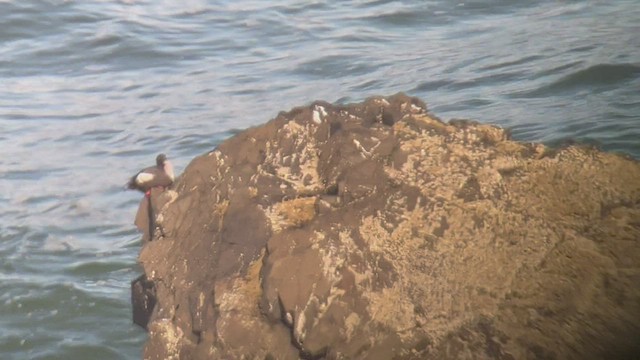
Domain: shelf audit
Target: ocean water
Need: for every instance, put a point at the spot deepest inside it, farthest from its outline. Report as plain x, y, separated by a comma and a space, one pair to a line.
91, 91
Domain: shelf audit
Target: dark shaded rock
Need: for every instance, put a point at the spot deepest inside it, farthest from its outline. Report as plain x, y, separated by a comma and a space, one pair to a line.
143, 300
376, 231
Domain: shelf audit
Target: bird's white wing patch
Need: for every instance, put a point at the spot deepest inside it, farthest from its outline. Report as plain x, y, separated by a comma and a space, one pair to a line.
143, 177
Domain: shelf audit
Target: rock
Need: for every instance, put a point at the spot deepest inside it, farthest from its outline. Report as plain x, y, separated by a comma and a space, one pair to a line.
376, 231
143, 300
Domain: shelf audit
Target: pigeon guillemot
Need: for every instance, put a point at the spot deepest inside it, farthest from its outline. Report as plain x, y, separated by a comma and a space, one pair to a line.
154, 177
160, 175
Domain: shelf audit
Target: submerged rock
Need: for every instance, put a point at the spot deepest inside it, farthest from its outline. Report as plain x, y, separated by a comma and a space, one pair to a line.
376, 231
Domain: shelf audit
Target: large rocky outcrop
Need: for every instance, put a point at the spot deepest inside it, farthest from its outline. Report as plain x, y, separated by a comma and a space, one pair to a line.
376, 231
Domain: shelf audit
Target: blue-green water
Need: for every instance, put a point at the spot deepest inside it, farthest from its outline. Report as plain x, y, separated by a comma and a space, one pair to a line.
92, 90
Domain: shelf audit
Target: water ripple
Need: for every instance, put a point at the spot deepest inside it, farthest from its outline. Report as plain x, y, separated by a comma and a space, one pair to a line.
595, 77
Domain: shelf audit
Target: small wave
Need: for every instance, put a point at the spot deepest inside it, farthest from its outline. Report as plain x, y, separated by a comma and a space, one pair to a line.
368, 85
129, 153
40, 199
581, 49
334, 66
431, 85
106, 40
601, 75
489, 80
598, 74
30, 174
560, 69
95, 268
404, 17
510, 63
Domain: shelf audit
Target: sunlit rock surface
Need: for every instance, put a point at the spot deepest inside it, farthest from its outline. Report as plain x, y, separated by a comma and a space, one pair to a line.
376, 231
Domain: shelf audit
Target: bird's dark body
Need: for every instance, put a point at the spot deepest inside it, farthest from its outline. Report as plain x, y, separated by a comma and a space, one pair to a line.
160, 178
160, 175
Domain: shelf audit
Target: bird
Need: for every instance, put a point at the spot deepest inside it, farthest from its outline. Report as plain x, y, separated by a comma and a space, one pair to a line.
160, 175
154, 177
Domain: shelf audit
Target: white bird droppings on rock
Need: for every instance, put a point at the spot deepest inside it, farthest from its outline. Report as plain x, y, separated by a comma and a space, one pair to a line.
319, 113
